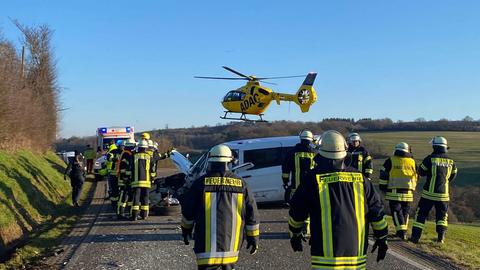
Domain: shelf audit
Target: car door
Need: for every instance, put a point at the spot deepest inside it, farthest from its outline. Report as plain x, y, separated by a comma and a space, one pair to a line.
264, 178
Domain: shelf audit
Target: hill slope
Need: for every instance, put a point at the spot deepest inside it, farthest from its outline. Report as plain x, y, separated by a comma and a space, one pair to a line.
32, 191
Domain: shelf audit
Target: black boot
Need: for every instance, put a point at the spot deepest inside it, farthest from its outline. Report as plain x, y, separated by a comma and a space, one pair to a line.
402, 234
441, 238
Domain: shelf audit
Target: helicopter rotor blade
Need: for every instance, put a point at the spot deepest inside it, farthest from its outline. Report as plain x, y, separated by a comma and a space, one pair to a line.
281, 77
219, 78
238, 73
268, 82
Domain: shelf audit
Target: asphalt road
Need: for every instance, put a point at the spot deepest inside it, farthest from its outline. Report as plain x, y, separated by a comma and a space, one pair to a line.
156, 244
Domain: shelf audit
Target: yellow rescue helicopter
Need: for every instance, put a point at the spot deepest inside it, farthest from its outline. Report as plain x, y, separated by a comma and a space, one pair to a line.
254, 99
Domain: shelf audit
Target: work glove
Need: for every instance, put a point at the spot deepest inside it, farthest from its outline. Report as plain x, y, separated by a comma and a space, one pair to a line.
296, 242
382, 248
252, 244
187, 235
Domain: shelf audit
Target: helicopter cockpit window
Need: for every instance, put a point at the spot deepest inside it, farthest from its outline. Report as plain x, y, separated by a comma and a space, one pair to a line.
234, 96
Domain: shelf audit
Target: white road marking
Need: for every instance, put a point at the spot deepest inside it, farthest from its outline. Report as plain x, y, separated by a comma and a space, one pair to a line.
405, 259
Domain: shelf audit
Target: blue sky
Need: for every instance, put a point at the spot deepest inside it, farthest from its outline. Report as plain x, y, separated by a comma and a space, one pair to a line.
133, 62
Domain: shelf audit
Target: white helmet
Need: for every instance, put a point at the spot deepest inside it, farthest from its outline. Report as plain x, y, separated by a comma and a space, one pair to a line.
439, 141
402, 146
130, 143
155, 145
306, 135
220, 153
150, 144
333, 145
354, 137
143, 144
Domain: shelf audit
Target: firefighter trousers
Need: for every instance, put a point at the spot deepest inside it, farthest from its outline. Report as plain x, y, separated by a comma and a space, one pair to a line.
441, 216
400, 214
123, 199
114, 190
217, 267
140, 202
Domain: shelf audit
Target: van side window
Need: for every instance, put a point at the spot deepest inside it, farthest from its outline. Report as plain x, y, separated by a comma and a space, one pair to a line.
263, 158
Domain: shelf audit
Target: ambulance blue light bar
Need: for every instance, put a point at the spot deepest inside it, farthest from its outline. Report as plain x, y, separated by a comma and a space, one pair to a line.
129, 129
103, 130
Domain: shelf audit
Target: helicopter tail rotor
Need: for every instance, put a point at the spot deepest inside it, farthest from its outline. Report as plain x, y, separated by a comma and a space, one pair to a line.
306, 94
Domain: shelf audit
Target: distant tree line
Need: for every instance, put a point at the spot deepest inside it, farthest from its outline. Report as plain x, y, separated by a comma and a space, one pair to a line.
28, 91
200, 138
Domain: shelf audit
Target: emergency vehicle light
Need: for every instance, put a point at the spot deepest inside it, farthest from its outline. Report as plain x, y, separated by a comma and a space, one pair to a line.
103, 130
128, 129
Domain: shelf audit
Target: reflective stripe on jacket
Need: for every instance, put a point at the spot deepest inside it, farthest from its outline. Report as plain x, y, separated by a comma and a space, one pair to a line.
439, 170
221, 208
341, 205
141, 170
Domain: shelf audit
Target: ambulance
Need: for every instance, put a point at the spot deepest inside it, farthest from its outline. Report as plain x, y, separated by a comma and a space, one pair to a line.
104, 136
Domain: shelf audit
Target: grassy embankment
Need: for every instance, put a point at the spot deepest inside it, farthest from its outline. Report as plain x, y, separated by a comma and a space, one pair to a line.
35, 205
461, 245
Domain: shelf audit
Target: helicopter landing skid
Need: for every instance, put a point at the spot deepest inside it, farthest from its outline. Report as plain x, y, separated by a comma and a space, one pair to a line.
243, 117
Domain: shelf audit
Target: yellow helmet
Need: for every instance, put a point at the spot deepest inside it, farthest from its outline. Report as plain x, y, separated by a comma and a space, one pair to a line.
333, 145
146, 136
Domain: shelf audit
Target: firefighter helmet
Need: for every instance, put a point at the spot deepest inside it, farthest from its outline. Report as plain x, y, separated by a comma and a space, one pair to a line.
402, 146
354, 137
306, 135
155, 145
439, 141
143, 144
146, 136
220, 153
333, 145
130, 143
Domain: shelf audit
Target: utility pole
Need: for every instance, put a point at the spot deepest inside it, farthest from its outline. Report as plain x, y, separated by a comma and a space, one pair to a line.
22, 71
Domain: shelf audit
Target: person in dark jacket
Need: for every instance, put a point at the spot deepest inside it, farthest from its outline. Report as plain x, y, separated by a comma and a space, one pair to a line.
341, 206
297, 163
76, 172
357, 156
440, 170
398, 180
221, 207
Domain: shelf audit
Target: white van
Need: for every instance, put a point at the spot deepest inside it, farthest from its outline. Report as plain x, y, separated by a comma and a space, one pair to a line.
266, 155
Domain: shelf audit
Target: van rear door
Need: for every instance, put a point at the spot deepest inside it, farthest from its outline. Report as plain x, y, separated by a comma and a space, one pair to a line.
264, 178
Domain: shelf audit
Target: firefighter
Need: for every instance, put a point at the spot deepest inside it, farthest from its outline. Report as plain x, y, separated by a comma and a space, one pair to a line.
357, 156
89, 155
108, 165
439, 170
341, 205
76, 173
398, 180
156, 157
113, 156
297, 163
125, 179
141, 181
220, 206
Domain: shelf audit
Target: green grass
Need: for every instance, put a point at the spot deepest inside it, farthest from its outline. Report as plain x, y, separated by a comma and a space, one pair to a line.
35, 200
461, 244
464, 149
